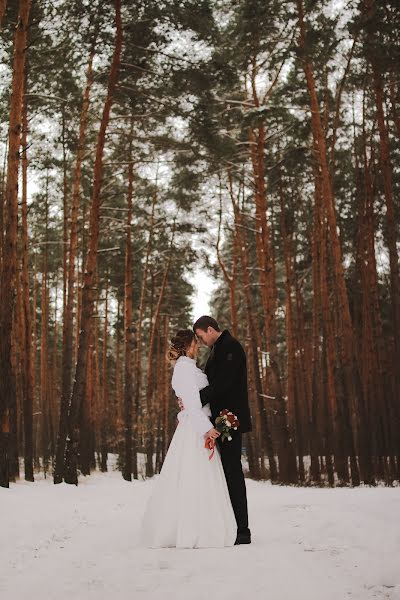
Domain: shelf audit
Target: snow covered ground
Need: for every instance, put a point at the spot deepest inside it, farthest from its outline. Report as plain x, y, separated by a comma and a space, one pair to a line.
61, 541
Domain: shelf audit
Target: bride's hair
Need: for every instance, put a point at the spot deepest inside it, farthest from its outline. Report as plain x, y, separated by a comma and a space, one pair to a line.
180, 343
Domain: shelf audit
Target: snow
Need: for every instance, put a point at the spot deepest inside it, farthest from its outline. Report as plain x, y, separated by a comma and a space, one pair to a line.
307, 544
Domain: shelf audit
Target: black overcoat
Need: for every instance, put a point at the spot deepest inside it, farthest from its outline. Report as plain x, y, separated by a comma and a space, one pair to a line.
226, 370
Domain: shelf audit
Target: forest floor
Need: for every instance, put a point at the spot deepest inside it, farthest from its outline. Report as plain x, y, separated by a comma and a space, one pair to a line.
60, 542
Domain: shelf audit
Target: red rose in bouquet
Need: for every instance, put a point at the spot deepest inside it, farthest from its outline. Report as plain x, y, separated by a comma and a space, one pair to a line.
225, 422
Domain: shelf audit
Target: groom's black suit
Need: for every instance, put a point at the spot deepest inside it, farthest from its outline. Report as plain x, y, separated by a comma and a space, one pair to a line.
227, 375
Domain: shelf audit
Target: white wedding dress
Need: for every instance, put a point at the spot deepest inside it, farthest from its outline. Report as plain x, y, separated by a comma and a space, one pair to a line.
190, 505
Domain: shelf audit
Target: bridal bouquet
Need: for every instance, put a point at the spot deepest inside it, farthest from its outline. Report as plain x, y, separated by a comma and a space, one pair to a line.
224, 423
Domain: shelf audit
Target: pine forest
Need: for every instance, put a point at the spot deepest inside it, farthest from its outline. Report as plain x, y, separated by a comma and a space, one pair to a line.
143, 142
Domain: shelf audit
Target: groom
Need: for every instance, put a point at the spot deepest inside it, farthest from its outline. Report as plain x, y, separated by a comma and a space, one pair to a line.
227, 375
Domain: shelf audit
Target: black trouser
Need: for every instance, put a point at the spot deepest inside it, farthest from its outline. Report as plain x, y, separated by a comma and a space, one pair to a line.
230, 456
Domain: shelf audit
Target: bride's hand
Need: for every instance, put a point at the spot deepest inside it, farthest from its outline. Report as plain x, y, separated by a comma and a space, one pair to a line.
213, 433
180, 403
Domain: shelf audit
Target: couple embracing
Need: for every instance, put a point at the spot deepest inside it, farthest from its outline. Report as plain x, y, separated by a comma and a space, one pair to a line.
199, 499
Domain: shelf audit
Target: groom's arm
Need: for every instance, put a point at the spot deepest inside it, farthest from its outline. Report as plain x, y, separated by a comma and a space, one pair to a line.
205, 395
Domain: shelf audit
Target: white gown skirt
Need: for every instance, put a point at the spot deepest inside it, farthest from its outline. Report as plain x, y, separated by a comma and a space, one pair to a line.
190, 505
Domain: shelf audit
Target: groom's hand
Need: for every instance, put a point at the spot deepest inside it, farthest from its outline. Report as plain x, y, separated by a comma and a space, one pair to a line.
181, 405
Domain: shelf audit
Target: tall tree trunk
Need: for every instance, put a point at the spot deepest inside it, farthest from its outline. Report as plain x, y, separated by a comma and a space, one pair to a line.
293, 374
90, 266
54, 378
158, 407
394, 101
86, 457
27, 378
268, 289
254, 336
65, 210
316, 356
129, 330
2, 200
96, 380
166, 387
44, 343
3, 4
142, 306
16, 365
303, 387
118, 409
34, 362
9, 264
72, 256
150, 368
105, 408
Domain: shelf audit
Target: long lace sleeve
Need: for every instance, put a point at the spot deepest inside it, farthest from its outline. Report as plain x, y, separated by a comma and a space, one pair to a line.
186, 387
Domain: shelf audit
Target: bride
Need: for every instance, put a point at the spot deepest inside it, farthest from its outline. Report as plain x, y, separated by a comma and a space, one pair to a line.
190, 505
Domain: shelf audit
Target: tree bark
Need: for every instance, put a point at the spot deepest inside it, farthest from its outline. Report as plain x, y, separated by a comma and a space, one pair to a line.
292, 373
166, 387
9, 264
142, 306
27, 377
3, 5
268, 289
254, 336
44, 342
105, 409
72, 255
129, 330
150, 369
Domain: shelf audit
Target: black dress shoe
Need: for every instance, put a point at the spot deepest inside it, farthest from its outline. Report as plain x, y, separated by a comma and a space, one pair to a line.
243, 538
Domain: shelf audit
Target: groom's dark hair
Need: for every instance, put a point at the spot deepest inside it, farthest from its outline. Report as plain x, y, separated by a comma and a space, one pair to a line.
205, 322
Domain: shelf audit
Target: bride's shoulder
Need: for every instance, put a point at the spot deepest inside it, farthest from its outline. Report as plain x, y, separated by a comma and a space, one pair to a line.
183, 370
184, 363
